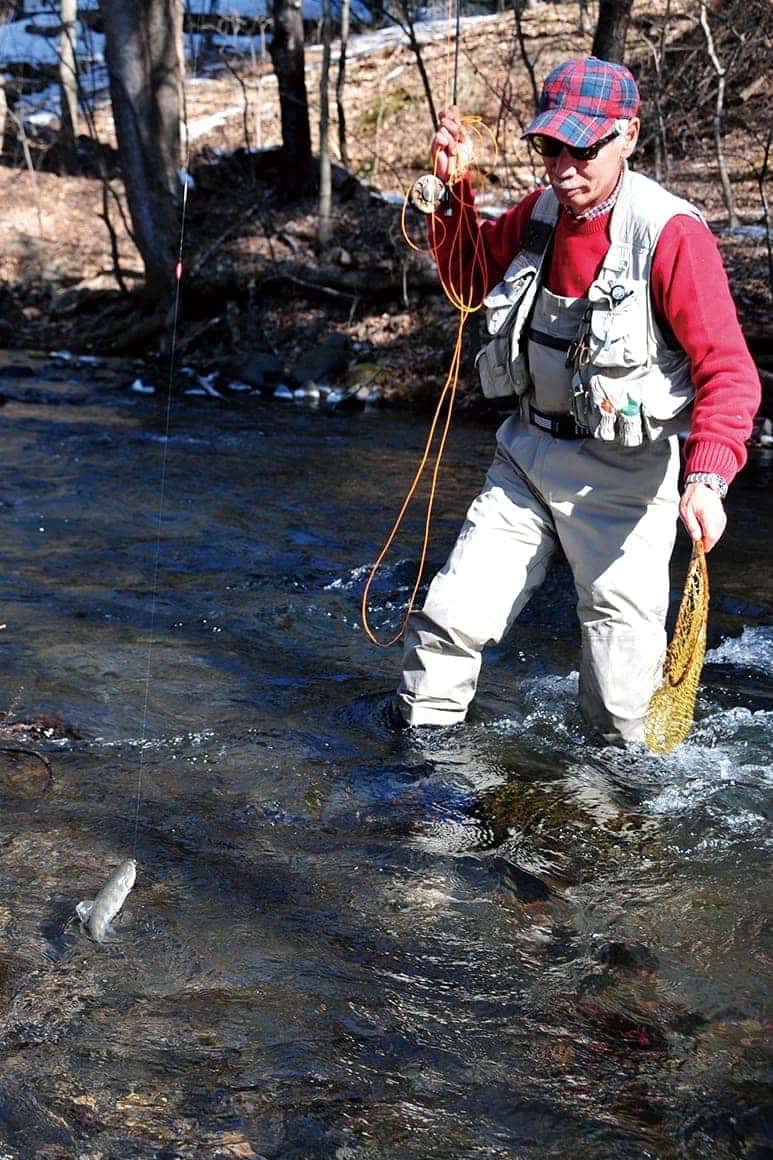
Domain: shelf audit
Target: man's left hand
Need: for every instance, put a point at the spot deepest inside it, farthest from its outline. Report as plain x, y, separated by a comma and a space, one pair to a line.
702, 514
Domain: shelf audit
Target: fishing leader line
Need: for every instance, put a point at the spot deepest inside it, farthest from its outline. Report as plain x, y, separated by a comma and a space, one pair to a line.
178, 273
96, 914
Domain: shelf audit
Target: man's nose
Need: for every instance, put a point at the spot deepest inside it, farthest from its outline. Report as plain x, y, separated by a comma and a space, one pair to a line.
563, 163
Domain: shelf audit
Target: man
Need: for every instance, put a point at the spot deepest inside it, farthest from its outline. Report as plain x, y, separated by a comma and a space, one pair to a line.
612, 325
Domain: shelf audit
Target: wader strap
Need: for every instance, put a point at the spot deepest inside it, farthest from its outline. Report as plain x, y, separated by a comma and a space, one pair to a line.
539, 336
559, 426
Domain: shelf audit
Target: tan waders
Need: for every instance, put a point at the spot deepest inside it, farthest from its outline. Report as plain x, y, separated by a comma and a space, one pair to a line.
613, 510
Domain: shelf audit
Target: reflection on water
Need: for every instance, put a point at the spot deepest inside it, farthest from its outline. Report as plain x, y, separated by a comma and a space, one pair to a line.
499, 941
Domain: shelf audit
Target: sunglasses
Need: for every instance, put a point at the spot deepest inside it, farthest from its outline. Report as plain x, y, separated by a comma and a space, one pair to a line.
551, 147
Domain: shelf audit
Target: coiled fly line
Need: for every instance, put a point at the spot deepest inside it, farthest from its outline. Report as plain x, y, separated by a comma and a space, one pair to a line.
428, 194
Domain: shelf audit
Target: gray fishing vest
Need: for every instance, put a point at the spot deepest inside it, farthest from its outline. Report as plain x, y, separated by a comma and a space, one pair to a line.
601, 358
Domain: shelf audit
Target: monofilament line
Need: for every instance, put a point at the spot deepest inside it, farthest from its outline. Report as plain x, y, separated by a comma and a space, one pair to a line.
162, 495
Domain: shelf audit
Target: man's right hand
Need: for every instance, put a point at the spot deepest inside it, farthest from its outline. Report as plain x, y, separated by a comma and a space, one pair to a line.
451, 148
702, 514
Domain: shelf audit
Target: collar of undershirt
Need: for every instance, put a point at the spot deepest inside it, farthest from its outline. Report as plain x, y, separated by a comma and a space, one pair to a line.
603, 207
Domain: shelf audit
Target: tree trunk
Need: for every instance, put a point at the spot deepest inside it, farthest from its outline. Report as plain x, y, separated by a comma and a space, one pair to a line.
343, 150
413, 40
180, 32
68, 79
141, 49
325, 179
612, 29
288, 57
6, 12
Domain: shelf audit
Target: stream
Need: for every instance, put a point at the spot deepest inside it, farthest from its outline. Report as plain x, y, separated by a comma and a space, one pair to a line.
501, 940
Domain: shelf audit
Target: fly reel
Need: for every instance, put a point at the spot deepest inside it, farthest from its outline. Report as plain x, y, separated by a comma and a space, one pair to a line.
428, 193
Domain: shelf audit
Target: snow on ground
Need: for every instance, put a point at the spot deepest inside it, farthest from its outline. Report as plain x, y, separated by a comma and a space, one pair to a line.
261, 9
34, 41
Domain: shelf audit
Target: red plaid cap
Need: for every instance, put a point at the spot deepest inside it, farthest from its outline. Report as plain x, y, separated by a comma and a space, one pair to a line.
582, 99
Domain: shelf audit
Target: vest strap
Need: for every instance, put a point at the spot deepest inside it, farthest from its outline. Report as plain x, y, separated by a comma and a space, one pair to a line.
537, 235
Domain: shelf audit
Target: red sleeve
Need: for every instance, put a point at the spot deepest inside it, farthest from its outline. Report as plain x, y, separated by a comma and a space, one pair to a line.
690, 293
472, 255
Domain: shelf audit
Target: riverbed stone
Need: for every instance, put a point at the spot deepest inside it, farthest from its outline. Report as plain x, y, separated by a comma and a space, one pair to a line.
260, 369
328, 359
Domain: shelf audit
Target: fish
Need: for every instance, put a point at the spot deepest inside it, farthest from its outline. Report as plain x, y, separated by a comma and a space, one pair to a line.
98, 913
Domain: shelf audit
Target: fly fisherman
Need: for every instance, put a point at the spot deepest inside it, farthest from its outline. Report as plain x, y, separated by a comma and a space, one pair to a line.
611, 325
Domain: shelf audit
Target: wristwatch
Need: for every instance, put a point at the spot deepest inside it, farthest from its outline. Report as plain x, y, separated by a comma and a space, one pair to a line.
716, 482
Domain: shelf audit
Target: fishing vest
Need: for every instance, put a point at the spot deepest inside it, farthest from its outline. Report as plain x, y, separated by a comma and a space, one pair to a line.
603, 357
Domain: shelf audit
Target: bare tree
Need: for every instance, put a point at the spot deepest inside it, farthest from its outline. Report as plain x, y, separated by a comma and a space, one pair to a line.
528, 64
142, 52
288, 56
656, 42
325, 179
762, 178
6, 11
68, 78
611, 29
719, 69
403, 13
343, 151
585, 23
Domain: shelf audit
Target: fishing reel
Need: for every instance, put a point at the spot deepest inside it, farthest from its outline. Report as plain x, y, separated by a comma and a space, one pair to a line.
428, 194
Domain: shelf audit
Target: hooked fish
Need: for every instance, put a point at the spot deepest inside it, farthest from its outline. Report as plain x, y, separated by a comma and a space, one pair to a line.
97, 914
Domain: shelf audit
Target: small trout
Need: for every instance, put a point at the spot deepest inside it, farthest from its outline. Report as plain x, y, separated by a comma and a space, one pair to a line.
97, 914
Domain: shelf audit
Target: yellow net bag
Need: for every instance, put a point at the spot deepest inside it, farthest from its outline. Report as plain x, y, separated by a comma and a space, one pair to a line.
670, 714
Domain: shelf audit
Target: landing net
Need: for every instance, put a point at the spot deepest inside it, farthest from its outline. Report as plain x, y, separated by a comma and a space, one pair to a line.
671, 710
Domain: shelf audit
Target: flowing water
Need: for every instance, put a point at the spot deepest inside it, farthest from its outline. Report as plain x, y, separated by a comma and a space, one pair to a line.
501, 941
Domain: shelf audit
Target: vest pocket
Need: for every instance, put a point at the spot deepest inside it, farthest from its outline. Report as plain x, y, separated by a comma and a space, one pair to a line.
503, 302
501, 363
500, 375
669, 390
618, 333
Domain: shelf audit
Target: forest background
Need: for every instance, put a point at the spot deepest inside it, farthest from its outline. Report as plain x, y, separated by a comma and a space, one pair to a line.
273, 149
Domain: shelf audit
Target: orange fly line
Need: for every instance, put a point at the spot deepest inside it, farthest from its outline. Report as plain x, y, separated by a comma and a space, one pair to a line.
463, 299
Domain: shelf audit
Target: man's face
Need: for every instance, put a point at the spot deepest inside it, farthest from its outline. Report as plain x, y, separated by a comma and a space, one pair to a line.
581, 185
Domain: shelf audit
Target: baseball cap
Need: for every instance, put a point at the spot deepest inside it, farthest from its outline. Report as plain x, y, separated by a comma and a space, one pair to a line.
582, 99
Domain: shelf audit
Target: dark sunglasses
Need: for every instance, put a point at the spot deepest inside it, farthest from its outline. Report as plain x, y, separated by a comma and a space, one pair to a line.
551, 147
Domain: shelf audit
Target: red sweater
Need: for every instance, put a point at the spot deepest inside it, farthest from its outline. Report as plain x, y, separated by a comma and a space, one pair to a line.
690, 296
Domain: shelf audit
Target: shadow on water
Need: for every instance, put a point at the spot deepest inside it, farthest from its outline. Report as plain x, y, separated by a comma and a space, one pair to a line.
346, 941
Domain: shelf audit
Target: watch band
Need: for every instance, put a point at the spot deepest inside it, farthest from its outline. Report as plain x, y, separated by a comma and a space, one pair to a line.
716, 482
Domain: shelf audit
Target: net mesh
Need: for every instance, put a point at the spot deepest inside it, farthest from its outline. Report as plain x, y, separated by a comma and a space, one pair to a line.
670, 714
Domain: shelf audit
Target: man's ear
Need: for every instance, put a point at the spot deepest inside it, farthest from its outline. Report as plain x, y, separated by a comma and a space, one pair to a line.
631, 137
